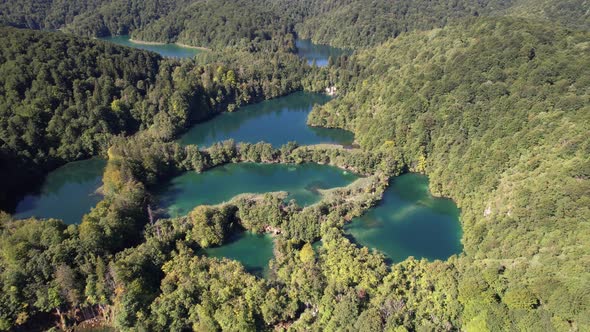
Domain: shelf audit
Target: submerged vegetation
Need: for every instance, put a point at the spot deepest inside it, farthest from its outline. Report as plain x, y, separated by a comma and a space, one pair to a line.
495, 110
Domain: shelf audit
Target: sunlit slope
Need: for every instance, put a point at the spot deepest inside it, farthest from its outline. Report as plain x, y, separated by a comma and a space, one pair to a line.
497, 112
368, 23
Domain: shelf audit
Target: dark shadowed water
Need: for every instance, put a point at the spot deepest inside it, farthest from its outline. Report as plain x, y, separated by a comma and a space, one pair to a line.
254, 251
318, 53
68, 193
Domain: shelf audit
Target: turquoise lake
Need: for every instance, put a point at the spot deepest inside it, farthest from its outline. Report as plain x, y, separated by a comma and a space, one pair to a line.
276, 121
254, 251
409, 221
220, 184
165, 50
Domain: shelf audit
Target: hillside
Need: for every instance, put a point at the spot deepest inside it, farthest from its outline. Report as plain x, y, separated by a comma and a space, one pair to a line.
361, 23
63, 98
497, 113
219, 24
44, 14
120, 17
271, 24
572, 13
86, 17
490, 99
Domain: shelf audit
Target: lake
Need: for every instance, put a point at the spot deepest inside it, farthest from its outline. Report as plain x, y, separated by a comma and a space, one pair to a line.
276, 121
409, 221
217, 185
165, 50
67, 193
254, 251
320, 53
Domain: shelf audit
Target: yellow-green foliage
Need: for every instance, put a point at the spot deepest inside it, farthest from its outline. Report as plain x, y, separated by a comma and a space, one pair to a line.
207, 295
210, 224
497, 113
361, 23
307, 254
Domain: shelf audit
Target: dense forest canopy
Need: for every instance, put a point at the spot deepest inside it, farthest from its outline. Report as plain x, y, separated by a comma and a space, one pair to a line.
62, 97
368, 23
50, 81
221, 23
497, 113
491, 99
94, 17
45, 14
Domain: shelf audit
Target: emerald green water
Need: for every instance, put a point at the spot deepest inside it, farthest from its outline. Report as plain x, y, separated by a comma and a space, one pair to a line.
318, 53
276, 121
410, 222
254, 251
68, 193
180, 195
165, 50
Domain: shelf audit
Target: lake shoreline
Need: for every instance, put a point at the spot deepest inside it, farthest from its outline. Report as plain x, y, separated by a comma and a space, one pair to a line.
276, 121
180, 194
141, 42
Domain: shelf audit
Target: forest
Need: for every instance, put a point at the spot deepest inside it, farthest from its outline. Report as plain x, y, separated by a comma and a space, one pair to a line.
64, 98
358, 24
490, 99
499, 123
272, 24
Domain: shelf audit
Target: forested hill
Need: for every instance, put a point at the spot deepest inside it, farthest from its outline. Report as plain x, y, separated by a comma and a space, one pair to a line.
63, 98
120, 17
271, 24
97, 17
44, 14
367, 23
497, 112
573, 14
49, 80
223, 23
206, 23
